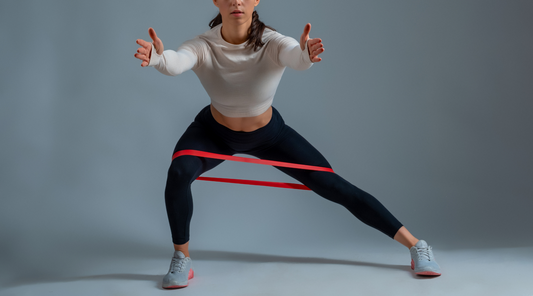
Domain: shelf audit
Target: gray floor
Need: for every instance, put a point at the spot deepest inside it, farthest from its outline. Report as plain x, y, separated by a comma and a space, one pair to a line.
342, 270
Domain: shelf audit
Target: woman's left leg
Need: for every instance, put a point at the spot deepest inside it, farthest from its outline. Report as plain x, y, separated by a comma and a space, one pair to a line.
292, 147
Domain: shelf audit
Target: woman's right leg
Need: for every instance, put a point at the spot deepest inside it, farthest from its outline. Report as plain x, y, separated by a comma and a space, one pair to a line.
182, 172
178, 197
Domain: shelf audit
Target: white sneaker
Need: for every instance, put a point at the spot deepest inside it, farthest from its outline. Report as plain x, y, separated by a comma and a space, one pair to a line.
180, 272
422, 260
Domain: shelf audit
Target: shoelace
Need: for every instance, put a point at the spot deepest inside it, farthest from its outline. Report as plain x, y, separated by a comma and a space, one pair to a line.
424, 252
177, 264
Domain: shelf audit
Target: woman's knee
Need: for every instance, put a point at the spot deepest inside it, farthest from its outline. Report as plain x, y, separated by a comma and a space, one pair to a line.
186, 168
338, 190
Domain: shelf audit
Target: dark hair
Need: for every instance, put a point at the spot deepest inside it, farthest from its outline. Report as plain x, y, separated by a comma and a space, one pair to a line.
255, 33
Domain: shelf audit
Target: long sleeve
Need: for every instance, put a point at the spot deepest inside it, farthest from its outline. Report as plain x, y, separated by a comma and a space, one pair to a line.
292, 56
173, 62
240, 82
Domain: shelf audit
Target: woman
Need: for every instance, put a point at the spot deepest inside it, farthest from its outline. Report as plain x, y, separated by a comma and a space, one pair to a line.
240, 62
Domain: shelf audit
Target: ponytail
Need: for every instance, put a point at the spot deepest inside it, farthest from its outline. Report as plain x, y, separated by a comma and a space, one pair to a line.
255, 32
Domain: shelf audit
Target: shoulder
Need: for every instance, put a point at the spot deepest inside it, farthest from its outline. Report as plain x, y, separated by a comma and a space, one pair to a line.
212, 34
200, 44
277, 42
199, 41
271, 35
277, 39
210, 38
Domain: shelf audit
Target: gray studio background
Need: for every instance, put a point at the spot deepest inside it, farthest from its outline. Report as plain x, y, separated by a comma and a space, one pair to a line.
425, 104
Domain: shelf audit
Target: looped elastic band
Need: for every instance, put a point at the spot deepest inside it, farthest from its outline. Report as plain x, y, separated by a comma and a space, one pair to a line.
256, 161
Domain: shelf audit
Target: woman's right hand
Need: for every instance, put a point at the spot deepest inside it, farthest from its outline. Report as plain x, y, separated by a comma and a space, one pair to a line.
145, 51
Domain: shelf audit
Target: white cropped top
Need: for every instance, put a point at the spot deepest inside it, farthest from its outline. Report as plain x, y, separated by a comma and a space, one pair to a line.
240, 82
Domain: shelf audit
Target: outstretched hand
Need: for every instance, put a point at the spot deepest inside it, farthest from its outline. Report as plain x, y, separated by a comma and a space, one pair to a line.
314, 46
145, 51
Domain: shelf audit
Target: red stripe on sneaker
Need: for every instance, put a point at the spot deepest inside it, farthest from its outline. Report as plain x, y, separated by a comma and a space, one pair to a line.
430, 273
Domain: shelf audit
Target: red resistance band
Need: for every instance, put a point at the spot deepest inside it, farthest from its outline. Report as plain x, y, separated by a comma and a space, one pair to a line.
256, 161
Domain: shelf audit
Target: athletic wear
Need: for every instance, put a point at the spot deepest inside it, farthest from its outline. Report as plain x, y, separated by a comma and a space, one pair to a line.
275, 141
180, 272
240, 82
422, 259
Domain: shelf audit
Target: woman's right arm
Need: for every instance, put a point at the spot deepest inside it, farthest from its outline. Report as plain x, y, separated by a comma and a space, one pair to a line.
168, 62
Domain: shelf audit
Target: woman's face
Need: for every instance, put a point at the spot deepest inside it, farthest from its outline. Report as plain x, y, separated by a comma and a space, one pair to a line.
236, 10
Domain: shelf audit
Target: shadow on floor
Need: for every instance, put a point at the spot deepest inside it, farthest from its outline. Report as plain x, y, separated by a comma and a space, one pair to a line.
262, 258
156, 279
206, 255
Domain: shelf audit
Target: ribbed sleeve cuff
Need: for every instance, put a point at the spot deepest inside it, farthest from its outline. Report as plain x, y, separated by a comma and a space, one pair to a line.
155, 58
306, 53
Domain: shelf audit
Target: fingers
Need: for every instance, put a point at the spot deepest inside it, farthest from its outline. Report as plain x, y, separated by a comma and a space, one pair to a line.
143, 53
144, 58
316, 47
141, 57
158, 44
305, 36
152, 34
314, 44
143, 50
307, 29
144, 44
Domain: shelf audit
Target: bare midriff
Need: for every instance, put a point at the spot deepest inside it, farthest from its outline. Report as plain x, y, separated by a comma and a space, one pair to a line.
243, 124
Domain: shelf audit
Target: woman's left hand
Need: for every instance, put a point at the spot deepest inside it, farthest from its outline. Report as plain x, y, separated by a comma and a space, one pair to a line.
314, 46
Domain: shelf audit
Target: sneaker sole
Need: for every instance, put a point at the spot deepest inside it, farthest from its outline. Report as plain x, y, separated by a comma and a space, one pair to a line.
191, 275
426, 273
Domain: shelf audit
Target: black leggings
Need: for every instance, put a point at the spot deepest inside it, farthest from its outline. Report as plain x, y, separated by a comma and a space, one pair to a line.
275, 141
